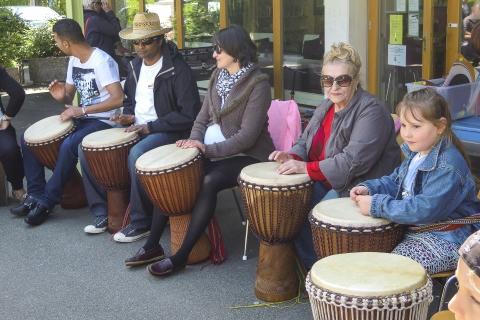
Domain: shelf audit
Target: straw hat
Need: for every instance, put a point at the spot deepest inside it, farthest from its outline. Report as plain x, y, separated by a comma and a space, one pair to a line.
145, 25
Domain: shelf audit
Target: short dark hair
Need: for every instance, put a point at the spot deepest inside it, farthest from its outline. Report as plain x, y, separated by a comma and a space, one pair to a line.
237, 43
69, 29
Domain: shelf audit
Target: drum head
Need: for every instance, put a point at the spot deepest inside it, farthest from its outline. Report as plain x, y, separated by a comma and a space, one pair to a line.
165, 157
344, 212
47, 130
265, 173
108, 138
368, 274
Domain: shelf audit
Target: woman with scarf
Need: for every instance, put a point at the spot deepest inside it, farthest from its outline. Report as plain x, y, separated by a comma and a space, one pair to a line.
231, 131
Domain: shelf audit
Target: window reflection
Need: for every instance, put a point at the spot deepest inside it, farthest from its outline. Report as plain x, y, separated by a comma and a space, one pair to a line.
303, 44
256, 16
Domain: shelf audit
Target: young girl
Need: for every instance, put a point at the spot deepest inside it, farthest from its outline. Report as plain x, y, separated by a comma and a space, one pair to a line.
433, 184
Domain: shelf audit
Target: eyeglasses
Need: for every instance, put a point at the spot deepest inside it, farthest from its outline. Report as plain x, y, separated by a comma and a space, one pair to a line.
145, 42
217, 49
98, 2
343, 80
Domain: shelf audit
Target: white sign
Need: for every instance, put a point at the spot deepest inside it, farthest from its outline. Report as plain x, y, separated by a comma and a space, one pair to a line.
397, 55
413, 5
413, 24
401, 5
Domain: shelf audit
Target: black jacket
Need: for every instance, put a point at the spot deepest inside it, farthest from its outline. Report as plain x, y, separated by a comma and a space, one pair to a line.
14, 90
176, 97
102, 32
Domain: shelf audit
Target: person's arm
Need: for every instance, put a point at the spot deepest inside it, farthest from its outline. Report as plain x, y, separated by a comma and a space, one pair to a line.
63, 93
368, 138
201, 122
15, 92
386, 184
434, 202
188, 105
253, 121
114, 101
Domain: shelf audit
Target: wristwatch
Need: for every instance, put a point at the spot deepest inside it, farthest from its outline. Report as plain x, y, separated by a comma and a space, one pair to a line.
4, 118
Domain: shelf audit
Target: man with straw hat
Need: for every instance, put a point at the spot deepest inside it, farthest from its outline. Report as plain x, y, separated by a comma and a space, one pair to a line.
161, 104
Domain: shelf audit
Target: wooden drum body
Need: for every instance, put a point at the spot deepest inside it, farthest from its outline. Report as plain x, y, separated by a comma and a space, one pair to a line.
44, 139
339, 227
368, 286
106, 153
276, 206
172, 178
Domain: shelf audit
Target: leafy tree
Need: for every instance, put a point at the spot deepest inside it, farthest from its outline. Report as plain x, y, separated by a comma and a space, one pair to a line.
13, 39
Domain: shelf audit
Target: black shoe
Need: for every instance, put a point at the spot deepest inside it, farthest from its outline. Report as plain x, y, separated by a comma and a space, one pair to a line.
37, 216
23, 209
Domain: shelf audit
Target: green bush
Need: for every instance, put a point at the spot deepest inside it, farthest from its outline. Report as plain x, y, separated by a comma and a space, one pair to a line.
41, 43
13, 39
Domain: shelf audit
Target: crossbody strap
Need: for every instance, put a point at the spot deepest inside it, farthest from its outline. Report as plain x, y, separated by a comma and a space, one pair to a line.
447, 225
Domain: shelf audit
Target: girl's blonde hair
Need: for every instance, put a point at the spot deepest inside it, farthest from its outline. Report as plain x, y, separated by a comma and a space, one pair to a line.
431, 106
343, 52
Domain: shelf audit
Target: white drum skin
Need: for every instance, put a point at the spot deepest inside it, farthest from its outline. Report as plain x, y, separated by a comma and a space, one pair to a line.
369, 285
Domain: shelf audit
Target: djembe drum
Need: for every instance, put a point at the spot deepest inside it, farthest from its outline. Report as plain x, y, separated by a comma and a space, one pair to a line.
44, 139
276, 206
171, 177
339, 227
106, 154
368, 286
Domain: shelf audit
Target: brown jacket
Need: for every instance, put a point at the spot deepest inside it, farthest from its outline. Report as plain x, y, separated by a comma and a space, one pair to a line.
243, 119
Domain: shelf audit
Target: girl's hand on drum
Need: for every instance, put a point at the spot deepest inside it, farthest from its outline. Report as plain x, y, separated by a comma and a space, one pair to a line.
364, 203
185, 144
123, 119
280, 156
72, 111
356, 191
142, 128
57, 90
292, 166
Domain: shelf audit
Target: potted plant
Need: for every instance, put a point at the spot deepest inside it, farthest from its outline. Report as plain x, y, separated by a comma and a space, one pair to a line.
13, 43
46, 62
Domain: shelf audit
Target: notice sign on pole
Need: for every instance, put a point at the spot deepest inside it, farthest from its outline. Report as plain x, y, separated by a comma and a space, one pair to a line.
397, 55
396, 28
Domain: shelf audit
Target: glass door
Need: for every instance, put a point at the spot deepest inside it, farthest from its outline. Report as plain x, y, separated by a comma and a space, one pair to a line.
413, 44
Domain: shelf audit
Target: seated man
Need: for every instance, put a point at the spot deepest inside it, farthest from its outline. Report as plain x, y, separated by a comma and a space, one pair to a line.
161, 102
94, 75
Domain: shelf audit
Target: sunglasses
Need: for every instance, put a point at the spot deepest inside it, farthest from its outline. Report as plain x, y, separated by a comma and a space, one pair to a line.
98, 2
217, 49
343, 80
144, 41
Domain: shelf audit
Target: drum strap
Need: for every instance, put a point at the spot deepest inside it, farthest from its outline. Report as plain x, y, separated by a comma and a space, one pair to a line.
447, 225
216, 240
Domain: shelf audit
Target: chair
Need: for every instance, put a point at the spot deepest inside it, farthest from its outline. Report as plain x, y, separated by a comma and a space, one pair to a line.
446, 314
285, 126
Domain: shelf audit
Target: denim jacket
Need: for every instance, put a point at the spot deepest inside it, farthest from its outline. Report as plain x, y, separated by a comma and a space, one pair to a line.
443, 189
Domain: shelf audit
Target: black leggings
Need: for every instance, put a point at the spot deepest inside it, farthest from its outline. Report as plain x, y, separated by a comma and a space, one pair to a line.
219, 175
11, 157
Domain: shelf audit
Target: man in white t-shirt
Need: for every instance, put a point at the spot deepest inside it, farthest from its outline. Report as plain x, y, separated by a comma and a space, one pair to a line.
94, 75
161, 104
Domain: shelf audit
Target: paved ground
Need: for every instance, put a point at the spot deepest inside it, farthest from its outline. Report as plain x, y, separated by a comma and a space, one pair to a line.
56, 271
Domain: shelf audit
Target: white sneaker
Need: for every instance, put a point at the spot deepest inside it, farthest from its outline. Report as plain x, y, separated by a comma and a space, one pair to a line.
98, 226
130, 234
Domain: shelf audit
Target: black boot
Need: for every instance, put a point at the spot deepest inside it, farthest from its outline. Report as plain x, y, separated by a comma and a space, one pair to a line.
37, 216
23, 209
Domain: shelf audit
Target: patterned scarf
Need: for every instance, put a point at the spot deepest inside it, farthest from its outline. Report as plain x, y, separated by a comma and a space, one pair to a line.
225, 82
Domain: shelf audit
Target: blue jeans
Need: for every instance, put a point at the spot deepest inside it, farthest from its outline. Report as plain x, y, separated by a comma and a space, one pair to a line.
304, 241
141, 208
49, 193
